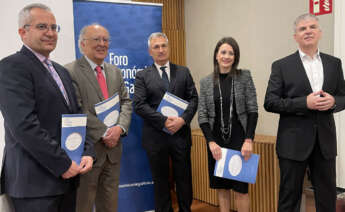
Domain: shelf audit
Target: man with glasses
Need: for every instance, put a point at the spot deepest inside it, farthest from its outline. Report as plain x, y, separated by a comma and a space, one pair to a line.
37, 173
95, 81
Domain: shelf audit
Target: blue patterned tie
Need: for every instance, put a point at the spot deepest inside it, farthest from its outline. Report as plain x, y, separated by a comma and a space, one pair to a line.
57, 78
165, 77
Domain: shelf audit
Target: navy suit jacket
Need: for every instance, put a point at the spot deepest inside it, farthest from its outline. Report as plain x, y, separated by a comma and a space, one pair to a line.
32, 104
299, 128
149, 91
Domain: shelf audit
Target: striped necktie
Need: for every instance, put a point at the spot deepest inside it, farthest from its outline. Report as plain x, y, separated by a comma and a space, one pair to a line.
57, 79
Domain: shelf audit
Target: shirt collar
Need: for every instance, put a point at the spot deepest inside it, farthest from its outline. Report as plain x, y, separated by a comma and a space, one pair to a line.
92, 64
41, 57
166, 65
305, 56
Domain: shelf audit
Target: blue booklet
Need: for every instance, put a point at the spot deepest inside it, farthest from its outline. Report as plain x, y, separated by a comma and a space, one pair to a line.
108, 111
172, 105
233, 166
73, 130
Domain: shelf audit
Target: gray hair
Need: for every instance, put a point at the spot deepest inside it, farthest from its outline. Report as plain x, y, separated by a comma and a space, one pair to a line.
304, 17
156, 35
24, 16
83, 32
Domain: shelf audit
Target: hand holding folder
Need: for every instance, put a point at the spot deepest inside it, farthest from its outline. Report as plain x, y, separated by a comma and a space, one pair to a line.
108, 111
172, 107
233, 166
73, 130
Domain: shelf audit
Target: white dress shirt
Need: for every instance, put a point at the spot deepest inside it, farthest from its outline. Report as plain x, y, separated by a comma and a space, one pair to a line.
314, 69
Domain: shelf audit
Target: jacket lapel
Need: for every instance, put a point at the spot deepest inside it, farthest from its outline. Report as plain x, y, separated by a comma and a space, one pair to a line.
111, 81
326, 65
67, 88
172, 78
47, 75
91, 76
301, 72
157, 77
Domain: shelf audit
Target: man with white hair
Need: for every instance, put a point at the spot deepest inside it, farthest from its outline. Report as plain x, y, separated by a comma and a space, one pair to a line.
95, 81
35, 92
305, 89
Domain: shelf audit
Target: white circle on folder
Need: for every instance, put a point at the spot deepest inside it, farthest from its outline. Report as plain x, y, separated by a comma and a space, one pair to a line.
111, 118
73, 141
169, 111
235, 165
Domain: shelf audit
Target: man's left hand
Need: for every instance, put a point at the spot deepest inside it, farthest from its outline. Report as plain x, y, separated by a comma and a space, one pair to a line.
86, 164
175, 124
112, 137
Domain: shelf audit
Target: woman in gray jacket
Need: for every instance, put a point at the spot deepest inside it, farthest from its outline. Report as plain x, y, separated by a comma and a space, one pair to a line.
228, 114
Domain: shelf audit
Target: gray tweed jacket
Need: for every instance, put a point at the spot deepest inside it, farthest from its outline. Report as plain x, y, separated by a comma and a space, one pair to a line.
245, 98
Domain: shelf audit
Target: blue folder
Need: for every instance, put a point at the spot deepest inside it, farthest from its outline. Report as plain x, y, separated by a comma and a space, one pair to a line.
108, 111
233, 166
172, 105
73, 130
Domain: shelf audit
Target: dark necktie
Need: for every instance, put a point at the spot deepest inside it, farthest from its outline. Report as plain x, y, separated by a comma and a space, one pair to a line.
101, 82
165, 77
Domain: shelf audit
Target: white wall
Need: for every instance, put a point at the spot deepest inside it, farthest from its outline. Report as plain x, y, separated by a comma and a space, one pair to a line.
339, 51
10, 43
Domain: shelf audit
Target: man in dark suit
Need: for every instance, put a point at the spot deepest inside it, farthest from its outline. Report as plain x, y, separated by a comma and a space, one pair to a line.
306, 88
37, 173
100, 185
150, 86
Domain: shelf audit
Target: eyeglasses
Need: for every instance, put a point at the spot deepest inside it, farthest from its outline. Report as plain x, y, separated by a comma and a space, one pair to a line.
45, 27
98, 40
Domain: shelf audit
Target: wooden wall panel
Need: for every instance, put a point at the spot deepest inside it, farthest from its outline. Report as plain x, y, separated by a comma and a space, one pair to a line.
173, 27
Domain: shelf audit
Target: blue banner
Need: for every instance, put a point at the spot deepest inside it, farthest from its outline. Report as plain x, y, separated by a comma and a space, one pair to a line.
129, 25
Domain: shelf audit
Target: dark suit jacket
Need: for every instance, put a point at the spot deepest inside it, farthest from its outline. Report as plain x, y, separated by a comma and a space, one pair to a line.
32, 104
149, 91
287, 93
89, 93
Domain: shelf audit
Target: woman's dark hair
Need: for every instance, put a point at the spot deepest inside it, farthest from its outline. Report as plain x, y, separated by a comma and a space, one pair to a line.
232, 42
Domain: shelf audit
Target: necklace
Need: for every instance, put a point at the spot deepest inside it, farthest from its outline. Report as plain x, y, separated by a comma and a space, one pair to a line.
226, 131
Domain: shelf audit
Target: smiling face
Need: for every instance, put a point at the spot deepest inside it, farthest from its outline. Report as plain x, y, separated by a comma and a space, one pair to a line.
159, 50
41, 41
225, 57
308, 34
95, 43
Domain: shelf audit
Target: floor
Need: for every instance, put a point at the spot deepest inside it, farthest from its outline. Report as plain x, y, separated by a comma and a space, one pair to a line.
197, 206
308, 204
